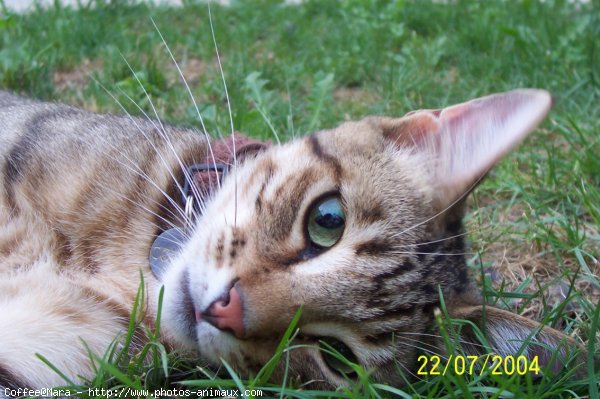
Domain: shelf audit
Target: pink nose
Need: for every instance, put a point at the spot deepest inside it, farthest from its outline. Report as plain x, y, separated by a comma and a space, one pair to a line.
226, 313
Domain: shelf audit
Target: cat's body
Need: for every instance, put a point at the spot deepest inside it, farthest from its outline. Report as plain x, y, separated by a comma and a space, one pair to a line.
83, 197
69, 203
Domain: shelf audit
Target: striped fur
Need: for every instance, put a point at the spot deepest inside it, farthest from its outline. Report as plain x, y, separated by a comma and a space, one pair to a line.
83, 196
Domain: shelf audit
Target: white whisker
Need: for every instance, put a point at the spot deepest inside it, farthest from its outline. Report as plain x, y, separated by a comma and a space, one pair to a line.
434, 241
166, 138
462, 341
407, 370
163, 161
212, 31
189, 90
290, 110
430, 253
147, 178
456, 201
162, 131
422, 349
268, 122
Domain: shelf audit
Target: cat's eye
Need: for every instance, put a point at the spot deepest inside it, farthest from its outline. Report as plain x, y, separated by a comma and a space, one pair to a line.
326, 221
337, 356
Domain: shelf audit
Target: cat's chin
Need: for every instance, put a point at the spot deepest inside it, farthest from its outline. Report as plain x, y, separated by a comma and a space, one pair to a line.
215, 345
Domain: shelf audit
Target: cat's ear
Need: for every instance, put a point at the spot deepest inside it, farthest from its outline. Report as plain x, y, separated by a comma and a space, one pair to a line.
510, 334
462, 142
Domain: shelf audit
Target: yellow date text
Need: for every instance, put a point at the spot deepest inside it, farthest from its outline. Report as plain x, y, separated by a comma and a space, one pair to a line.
462, 364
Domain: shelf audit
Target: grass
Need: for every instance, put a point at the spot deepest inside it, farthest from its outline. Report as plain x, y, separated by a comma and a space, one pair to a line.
292, 69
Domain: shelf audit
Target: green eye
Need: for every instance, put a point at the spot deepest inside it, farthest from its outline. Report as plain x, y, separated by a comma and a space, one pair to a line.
338, 362
326, 222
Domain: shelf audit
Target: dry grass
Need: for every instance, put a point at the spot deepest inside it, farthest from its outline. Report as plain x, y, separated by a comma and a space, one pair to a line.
514, 264
77, 77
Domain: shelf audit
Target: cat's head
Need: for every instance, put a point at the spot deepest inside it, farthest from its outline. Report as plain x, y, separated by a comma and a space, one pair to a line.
360, 225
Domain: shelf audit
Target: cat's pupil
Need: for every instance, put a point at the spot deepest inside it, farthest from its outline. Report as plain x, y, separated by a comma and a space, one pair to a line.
326, 222
329, 221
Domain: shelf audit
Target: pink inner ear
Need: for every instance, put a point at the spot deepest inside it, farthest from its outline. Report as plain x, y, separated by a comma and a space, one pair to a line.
465, 140
414, 128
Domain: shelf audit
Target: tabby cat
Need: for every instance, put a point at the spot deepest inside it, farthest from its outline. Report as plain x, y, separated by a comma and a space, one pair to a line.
359, 225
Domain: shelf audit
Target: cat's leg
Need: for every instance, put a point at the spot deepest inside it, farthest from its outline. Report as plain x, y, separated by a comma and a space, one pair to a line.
511, 335
46, 313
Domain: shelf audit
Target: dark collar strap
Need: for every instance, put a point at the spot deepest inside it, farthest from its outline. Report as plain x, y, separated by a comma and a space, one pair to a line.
204, 178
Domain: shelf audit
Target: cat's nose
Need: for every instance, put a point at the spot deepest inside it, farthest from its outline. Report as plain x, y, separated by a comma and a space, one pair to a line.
226, 313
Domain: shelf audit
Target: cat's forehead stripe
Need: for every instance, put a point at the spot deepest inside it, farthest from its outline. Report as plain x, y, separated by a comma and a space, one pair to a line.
263, 173
317, 150
286, 202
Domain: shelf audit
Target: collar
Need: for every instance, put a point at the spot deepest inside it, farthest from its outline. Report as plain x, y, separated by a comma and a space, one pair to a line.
202, 179
200, 182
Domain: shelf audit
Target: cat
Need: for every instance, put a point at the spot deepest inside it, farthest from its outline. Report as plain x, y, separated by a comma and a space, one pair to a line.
360, 225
